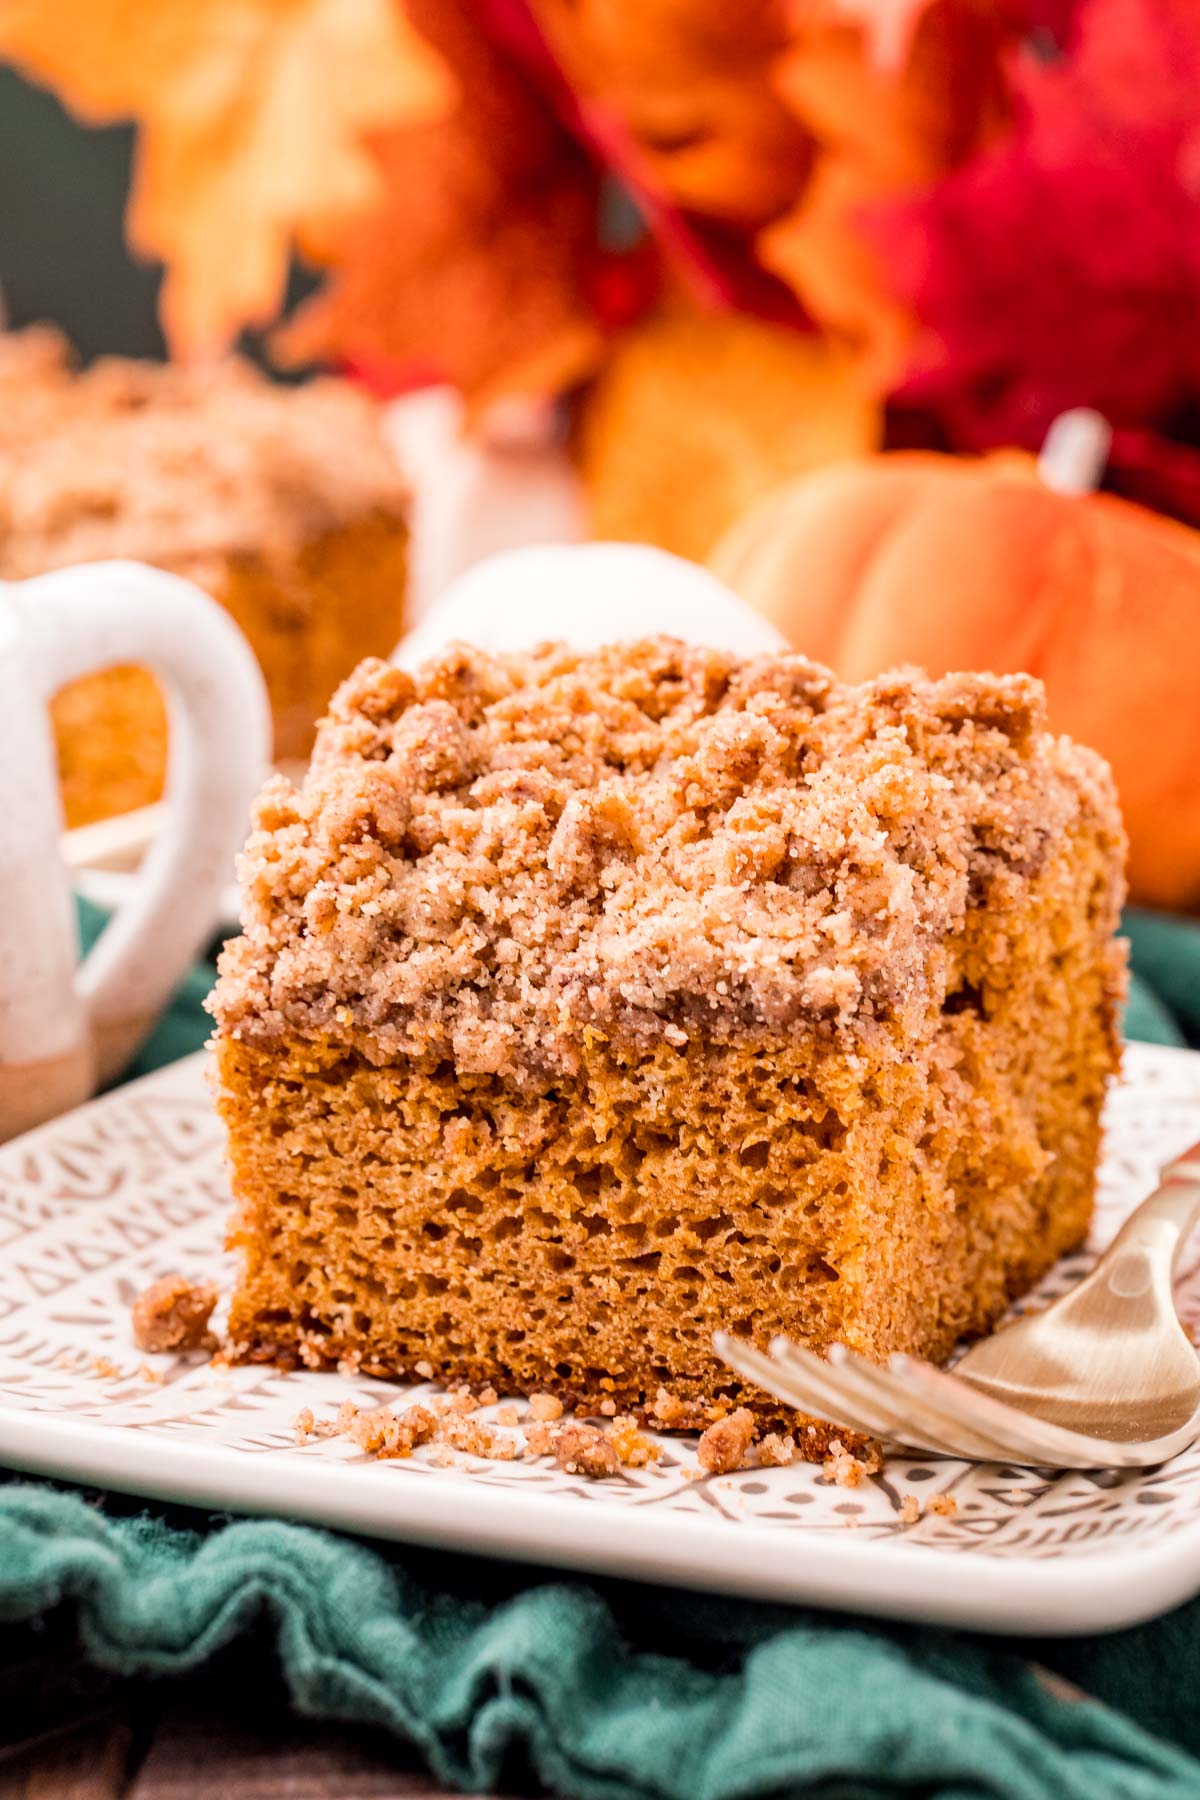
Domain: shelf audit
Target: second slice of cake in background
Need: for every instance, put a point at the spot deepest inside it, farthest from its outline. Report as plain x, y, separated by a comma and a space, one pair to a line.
285, 503
589, 1003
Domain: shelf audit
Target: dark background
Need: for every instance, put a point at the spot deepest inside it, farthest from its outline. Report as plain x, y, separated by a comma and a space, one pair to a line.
62, 255
62, 247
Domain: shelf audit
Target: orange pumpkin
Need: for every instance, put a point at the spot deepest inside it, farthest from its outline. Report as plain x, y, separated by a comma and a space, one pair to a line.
952, 564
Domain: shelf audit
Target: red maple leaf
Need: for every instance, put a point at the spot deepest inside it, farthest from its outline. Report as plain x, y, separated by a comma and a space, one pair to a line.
1062, 267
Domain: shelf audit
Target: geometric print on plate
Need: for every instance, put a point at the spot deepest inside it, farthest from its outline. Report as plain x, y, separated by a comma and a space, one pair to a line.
100, 1203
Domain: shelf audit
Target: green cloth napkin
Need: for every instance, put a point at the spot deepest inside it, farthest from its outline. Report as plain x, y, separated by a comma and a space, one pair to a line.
616, 1690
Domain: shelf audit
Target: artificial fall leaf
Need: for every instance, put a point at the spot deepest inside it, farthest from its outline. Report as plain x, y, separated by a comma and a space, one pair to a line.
695, 416
890, 25
877, 132
250, 115
690, 84
1062, 268
476, 267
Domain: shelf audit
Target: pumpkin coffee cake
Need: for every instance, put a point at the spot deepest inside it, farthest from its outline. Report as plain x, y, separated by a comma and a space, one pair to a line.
286, 504
590, 1002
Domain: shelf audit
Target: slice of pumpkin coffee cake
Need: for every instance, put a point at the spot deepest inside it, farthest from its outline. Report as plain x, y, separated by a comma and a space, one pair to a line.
588, 1003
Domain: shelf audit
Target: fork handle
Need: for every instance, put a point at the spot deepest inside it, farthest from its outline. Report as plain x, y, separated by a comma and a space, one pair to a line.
1160, 1226
1187, 1164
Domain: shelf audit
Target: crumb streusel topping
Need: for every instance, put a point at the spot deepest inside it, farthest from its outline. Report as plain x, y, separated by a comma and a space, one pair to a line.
650, 840
173, 465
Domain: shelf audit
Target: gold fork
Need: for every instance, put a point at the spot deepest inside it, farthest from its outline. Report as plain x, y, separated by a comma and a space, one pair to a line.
1105, 1378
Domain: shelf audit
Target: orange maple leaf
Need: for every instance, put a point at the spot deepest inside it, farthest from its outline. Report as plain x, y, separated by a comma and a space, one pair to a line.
475, 267
250, 116
692, 86
878, 132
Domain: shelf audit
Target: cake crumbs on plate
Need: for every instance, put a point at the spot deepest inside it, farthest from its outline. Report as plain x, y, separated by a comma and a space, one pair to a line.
776, 1451
597, 1451
910, 1509
584, 1450
146, 1373
424, 1370
724, 1444
847, 1470
173, 1314
105, 1369
632, 1446
667, 1408
944, 1505
475, 1438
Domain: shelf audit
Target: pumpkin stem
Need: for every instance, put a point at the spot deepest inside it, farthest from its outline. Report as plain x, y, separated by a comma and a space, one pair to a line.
1075, 452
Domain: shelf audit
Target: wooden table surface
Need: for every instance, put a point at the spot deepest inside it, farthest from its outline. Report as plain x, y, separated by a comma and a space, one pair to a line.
69, 1731
185, 1753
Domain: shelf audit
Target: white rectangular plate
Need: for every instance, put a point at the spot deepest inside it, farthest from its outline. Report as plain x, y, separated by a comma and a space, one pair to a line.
98, 1204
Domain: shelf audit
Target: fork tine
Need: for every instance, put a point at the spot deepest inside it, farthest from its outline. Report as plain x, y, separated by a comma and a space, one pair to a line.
946, 1417
809, 1383
880, 1397
909, 1402
827, 1386
1027, 1438
1019, 1436
768, 1375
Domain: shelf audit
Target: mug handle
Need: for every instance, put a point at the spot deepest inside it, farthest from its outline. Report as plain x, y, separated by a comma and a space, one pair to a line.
94, 616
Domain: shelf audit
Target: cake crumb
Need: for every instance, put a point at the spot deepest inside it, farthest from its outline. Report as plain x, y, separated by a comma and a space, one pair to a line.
776, 1451
385, 1434
667, 1408
369, 1429
475, 1438
424, 1370
545, 1407
910, 1509
105, 1368
944, 1505
632, 1446
583, 1450
608, 1409
845, 1469
304, 1425
173, 1314
462, 1401
840, 1467
149, 1374
539, 1439
508, 1414
488, 1396
725, 1443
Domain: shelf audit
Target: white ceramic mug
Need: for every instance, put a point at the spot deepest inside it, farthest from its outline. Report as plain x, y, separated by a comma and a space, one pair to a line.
64, 1030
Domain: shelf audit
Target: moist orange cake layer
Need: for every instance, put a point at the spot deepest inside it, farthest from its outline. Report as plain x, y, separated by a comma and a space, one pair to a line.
590, 1003
285, 503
